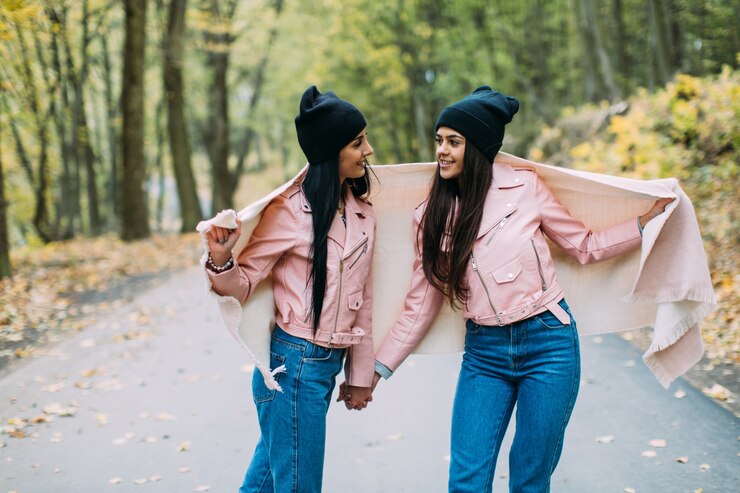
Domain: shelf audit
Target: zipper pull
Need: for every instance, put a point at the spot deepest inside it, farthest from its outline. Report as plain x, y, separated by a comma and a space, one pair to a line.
341, 265
475, 264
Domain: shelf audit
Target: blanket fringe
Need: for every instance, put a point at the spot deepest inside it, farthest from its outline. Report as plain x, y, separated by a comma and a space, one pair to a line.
702, 295
678, 330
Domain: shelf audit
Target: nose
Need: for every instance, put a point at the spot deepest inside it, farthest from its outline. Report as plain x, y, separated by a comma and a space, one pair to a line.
442, 149
368, 150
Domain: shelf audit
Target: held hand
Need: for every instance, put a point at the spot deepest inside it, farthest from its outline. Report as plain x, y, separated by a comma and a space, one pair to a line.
657, 209
357, 398
221, 241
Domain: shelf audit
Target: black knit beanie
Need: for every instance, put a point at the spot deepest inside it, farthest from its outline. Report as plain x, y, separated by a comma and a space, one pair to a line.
325, 124
481, 118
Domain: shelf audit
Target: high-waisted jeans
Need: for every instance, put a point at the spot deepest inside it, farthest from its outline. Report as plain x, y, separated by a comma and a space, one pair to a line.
534, 364
289, 457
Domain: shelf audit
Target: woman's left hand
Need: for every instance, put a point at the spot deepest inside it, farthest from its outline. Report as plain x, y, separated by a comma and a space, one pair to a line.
657, 209
355, 397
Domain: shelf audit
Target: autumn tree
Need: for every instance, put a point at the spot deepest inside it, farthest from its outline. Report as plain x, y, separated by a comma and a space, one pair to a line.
134, 210
176, 118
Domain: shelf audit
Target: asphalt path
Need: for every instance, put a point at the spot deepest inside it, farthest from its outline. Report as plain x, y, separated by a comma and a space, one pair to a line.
155, 397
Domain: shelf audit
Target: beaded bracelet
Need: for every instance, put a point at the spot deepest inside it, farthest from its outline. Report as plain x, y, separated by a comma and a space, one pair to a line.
220, 268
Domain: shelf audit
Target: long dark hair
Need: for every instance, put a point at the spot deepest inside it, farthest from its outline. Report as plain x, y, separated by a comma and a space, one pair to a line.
451, 222
322, 189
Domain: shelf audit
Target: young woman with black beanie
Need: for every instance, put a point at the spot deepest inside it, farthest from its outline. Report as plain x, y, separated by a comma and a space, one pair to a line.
481, 246
316, 239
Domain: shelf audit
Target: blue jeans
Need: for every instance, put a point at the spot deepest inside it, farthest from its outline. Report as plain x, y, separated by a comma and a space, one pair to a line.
290, 454
534, 364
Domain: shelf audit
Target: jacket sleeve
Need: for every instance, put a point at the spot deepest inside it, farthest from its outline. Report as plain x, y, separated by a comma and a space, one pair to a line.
276, 233
575, 238
361, 363
422, 303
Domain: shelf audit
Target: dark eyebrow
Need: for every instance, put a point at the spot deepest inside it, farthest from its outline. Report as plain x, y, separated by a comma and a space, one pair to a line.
451, 136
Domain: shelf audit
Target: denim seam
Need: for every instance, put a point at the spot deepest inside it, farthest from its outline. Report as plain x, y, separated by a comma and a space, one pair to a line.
295, 425
264, 480
498, 440
571, 404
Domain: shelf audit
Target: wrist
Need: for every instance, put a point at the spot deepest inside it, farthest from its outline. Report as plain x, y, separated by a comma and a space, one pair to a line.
219, 263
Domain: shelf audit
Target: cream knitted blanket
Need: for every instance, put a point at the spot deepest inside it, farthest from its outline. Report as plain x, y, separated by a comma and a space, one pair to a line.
665, 285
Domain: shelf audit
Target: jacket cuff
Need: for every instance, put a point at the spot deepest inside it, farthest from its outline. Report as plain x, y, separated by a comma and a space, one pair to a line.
383, 370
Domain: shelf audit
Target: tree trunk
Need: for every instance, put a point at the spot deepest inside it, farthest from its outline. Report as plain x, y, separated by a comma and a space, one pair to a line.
620, 40
111, 106
259, 80
134, 210
5, 267
217, 135
41, 211
596, 54
660, 37
65, 220
175, 94
86, 149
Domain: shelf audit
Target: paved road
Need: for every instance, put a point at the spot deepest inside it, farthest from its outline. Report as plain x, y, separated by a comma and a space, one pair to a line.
159, 397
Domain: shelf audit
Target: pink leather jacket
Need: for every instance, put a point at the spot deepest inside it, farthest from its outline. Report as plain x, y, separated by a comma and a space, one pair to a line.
280, 245
511, 273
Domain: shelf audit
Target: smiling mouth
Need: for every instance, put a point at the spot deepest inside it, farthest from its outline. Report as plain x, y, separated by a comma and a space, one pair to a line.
445, 164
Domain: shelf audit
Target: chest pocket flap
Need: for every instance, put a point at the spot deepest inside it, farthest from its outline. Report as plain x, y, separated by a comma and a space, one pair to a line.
508, 272
355, 300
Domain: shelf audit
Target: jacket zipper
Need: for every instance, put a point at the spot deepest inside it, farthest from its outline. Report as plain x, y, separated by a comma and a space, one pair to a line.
498, 227
362, 254
485, 288
539, 265
339, 295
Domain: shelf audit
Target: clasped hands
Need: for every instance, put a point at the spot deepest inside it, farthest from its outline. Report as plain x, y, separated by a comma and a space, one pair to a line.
357, 398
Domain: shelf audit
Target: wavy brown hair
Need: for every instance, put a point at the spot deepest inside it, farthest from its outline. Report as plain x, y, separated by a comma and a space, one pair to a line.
451, 222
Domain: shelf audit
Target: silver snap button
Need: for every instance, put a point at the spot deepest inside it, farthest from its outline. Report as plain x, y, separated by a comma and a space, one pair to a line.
511, 275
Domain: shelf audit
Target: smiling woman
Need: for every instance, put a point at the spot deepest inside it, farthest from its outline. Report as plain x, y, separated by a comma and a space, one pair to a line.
316, 239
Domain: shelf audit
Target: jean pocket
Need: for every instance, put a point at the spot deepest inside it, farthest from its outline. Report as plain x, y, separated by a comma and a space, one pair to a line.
316, 353
550, 321
472, 327
260, 392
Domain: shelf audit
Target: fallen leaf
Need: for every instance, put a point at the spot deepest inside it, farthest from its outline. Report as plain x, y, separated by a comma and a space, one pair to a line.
155, 478
605, 439
682, 460
658, 443
115, 480
394, 437
705, 467
717, 392
183, 469
630, 490
649, 453
183, 447
203, 488
166, 417
87, 343
140, 481
679, 394
629, 363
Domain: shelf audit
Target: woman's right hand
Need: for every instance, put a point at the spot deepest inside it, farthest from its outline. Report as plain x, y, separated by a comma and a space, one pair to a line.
221, 241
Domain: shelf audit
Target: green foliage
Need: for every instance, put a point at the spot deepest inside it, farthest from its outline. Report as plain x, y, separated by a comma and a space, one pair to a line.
690, 130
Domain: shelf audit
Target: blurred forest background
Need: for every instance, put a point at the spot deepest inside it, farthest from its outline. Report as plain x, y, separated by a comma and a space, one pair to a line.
132, 120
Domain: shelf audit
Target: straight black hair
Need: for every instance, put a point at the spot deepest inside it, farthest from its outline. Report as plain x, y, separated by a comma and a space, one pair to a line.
322, 189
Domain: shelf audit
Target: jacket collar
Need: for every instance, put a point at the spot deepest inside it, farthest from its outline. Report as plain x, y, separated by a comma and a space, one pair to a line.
500, 202
356, 230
